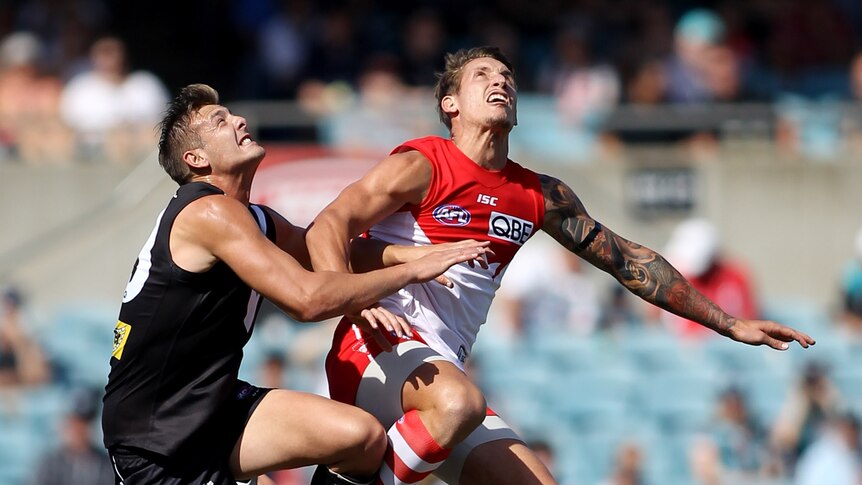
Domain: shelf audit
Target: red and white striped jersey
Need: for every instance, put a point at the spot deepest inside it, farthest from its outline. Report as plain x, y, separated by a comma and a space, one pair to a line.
464, 201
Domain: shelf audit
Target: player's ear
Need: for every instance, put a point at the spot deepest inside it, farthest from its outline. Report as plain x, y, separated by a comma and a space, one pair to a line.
449, 105
195, 158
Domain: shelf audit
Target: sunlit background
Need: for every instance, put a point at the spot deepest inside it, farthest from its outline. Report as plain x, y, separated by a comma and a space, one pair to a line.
727, 135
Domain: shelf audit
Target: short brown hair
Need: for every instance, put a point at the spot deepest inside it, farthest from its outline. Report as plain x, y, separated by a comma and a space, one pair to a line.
449, 80
177, 134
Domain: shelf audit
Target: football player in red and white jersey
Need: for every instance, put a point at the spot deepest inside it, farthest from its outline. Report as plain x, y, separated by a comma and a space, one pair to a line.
434, 190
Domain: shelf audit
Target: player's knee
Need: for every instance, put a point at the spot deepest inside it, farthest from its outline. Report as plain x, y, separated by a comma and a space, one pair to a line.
367, 437
463, 405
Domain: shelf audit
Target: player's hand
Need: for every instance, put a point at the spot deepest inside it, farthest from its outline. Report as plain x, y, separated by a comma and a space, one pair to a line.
375, 320
765, 332
469, 250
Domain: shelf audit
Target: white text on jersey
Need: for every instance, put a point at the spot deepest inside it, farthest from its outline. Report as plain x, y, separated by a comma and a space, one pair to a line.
487, 199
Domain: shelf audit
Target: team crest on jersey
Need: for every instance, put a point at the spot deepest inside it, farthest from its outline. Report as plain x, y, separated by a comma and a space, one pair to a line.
509, 228
451, 215
121, 335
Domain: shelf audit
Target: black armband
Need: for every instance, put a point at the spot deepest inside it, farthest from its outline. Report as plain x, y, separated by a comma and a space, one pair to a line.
590, 238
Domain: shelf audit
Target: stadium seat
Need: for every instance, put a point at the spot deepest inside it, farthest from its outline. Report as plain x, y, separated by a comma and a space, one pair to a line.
679, 400
19, 451
79, 343
798, 313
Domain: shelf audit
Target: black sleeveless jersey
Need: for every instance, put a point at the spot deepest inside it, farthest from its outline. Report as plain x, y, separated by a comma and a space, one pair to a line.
178, 342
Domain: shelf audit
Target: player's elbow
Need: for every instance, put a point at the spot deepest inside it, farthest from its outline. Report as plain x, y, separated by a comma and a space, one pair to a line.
316, 301
309, 309
303, 305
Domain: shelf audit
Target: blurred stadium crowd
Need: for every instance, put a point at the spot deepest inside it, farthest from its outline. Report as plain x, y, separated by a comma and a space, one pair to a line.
91, 67
615, 393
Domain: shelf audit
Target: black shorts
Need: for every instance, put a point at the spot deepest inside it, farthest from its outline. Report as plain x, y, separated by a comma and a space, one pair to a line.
204, 461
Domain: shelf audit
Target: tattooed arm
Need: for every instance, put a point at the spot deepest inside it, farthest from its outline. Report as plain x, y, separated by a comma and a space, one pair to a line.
646, 273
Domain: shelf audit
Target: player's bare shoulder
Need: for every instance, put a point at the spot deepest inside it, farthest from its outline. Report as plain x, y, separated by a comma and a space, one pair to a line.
213, 213
408, 160
405, 175
206, 224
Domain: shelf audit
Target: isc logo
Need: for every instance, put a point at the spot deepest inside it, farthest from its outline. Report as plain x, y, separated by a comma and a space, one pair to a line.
451, 215
509, 228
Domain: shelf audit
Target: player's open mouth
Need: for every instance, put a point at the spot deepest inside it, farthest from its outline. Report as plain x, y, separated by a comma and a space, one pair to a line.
498, 98
245, 140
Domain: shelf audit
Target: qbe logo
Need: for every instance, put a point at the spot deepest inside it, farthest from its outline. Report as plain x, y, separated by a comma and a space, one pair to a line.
451, 215
509, 228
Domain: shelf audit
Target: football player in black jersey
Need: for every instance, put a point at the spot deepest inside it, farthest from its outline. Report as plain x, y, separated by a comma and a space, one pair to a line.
175, 411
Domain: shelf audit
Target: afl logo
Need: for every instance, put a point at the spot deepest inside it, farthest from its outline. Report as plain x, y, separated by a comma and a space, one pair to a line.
451, 215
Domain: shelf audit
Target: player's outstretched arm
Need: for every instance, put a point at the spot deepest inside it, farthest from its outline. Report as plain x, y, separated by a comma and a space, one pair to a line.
646, 273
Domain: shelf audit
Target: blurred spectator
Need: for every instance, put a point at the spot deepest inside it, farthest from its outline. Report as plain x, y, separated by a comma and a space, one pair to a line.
22, 362
644, 81
384, 112
584, 93
273, 370
696, 34
30, 126
585, 90
806, 40
283, 49
835, 456
814, 122
66, 28
807, 408
76, 460
547, 291
113, 110
336, 50
703, 68
851, 292
694, 249
424, 44
735, 448
628, 466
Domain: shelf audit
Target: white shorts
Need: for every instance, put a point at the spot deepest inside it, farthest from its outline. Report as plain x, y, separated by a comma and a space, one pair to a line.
360, 373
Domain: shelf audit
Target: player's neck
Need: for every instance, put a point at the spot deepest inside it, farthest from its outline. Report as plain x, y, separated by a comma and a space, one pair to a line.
237, 187
488, 149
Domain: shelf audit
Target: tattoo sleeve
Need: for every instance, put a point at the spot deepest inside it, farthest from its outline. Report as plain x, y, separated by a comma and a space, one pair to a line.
640, 269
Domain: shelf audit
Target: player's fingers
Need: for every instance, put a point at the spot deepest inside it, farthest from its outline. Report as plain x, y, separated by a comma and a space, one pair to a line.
405, 327
804, 337
390, 323
776, 344
376, 332
788, 334
443, 280
474, 243
368, 317
367, 322
483, 260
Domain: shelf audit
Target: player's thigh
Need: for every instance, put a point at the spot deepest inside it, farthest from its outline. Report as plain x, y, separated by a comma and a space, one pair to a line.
290, 429
438, 384
504, 462
384, 378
